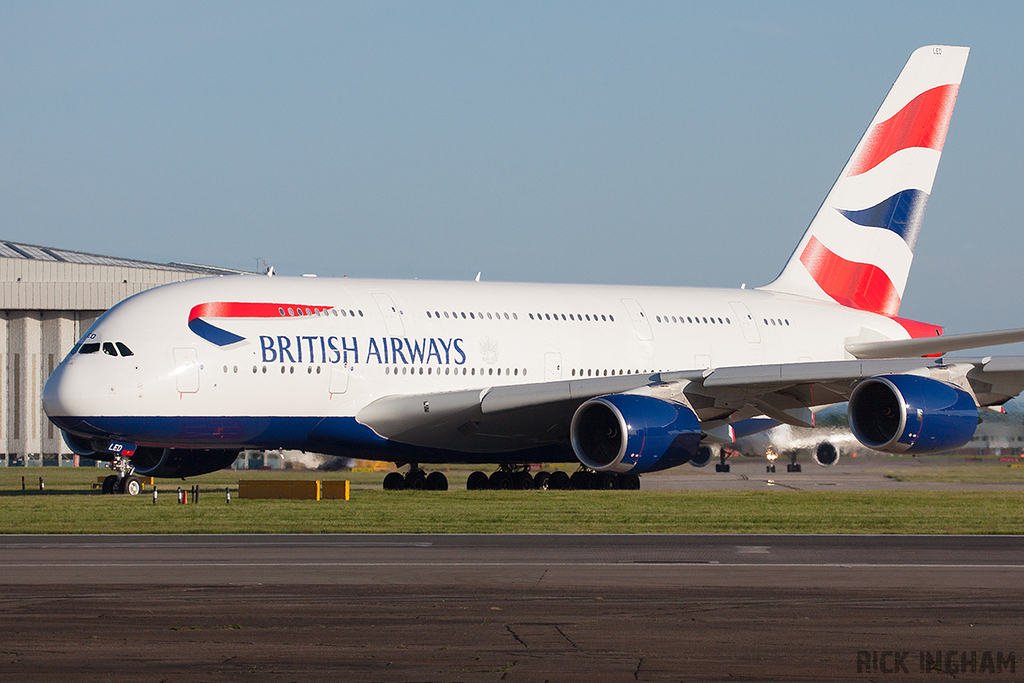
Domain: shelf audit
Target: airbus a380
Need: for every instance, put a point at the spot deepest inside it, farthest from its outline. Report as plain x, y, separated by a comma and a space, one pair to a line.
175, 381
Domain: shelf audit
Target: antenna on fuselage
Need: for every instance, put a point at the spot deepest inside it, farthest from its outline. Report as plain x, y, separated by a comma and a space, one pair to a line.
477, 279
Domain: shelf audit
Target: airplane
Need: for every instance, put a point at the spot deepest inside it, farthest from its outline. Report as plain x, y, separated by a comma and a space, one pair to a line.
621, 380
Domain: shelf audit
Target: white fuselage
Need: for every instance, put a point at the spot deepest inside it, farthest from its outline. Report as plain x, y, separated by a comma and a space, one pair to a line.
367, 339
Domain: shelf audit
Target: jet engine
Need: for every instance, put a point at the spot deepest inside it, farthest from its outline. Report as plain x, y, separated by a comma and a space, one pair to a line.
911, 414
174, 463
702, 457
631, 433
171, 463
826, 454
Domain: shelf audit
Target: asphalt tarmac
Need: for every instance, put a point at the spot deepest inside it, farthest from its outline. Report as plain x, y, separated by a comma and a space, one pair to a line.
517, 608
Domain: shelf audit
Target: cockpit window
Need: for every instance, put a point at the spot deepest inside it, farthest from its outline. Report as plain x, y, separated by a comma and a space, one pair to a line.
123, 348
108, 348
91, 347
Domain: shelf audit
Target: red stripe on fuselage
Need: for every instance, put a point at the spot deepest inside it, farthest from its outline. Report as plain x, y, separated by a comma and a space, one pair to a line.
247, 309
856, 285
923, 122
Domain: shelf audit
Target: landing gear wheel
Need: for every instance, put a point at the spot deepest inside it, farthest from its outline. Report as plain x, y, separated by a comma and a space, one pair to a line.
559, 481
500, 481
110, 483
477, 481
720, 467
607, 481
436, 481
394, 481
629, 482
131, 485
542, 481
416, 480
578, 480
770, 469
522, 481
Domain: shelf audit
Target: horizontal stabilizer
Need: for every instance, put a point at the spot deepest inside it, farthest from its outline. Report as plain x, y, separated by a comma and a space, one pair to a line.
933, 346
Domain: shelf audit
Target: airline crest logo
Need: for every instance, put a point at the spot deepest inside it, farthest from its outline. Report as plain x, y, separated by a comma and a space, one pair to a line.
238, 309
922, 123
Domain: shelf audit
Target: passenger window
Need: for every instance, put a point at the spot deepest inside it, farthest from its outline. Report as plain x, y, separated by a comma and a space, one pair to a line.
91, 347
125, 351
109, 349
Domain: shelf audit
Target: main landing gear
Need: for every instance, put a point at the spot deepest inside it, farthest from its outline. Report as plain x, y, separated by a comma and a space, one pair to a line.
518, 477
793, 465
416, 479
125, 480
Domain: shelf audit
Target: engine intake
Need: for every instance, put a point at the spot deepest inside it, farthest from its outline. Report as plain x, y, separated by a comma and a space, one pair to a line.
826, 454
174, 463
911, 414
630, 433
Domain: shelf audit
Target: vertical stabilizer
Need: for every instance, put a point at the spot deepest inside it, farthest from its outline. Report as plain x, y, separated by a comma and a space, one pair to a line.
859, 247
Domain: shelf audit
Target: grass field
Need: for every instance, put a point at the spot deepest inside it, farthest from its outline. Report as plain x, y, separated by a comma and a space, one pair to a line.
69, 505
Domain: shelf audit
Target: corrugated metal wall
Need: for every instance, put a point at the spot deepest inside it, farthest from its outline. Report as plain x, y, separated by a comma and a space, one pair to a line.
45, 306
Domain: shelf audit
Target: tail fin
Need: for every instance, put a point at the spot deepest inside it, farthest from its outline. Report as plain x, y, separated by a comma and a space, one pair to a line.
858, 249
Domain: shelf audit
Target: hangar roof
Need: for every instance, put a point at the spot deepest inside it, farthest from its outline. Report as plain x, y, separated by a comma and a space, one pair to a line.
18, 250
49, 278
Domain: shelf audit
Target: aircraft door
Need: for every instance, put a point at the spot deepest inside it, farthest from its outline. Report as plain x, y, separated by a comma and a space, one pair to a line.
186, 370
392, 316
639, 318
339, 378
747, 325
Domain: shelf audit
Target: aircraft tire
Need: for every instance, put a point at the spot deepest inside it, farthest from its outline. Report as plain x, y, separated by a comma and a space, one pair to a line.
542, 481
500, 481
436, 481
523, 481
629, 482
416, 480
110, 483
477, 481
132, 486
559, 481
607, 481
394, 482
582, 481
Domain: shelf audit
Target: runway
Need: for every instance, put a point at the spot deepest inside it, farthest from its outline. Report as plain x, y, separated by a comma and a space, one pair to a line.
483, 608
595, 561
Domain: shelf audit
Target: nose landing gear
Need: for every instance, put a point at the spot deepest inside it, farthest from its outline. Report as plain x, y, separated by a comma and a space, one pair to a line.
125, 480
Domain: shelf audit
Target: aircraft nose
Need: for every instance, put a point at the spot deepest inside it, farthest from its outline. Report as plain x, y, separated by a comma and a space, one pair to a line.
62, 396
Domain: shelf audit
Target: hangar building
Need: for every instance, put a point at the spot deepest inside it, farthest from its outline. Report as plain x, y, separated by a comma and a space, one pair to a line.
48, 298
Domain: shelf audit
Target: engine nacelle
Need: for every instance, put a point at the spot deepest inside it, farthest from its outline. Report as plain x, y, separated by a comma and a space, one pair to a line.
826, 454
82, 446
911, 414
630, 433
174, 463
702, 457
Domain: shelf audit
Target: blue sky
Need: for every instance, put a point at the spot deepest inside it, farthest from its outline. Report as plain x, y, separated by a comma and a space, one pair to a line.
641, 143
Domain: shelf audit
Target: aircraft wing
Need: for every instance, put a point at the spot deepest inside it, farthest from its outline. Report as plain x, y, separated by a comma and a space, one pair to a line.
507, 418
928, 346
